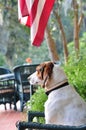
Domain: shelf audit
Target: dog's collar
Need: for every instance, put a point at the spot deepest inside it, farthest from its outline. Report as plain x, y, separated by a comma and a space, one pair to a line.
58, 87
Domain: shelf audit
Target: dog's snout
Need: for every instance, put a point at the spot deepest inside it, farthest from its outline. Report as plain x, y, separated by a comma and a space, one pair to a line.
33, 79
30, 79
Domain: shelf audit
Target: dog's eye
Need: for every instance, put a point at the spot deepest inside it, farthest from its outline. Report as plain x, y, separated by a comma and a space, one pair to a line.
41, 69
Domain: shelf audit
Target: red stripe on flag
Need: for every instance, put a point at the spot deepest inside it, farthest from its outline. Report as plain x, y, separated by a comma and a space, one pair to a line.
32, 14
43, 22
23, 8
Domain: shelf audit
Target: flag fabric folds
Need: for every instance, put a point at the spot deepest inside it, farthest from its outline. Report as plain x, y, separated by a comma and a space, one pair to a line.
35, 14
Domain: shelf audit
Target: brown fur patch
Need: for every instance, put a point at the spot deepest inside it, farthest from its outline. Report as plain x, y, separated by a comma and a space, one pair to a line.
44, 70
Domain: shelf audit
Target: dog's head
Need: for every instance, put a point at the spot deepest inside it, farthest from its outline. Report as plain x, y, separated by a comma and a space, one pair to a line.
42, 75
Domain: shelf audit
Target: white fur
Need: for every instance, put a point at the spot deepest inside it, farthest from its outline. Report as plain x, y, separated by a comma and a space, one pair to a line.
64, 106
34, 80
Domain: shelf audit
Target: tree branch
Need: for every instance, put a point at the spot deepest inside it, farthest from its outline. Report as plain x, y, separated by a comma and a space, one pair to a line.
76, 28
51, 45
80, 21
63, 35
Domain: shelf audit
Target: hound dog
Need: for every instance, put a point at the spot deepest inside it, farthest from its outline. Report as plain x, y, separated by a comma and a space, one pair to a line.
64, 105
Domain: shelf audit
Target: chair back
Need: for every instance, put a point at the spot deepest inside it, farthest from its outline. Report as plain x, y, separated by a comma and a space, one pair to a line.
4, 71
22, 72
23, 88
7, 88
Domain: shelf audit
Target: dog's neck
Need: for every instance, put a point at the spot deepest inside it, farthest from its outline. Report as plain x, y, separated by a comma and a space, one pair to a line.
58, 78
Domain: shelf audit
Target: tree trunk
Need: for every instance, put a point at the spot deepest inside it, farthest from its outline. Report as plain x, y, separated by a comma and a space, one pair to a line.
51, 46
63, 36
77, 24
76, 29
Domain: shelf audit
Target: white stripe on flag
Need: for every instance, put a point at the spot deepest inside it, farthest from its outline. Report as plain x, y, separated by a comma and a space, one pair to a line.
23, 20
30, 4
35, 24
19, 11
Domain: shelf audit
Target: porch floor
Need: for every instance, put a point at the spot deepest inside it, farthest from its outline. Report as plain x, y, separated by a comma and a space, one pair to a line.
9, 117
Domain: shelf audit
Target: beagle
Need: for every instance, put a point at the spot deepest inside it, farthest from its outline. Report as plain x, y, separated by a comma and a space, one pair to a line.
64, 105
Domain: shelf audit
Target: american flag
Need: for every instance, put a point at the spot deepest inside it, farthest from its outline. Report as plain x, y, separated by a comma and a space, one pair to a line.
35, 14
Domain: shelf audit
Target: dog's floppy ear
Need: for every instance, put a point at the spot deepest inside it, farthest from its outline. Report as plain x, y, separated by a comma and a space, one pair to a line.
47, 72
44, 71
48, 69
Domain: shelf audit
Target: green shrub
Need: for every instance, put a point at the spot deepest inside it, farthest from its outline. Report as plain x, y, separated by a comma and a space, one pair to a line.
37, 102
76, 72
76, 68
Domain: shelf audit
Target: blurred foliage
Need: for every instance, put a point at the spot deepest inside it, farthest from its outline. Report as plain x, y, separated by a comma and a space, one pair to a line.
76, 68
37, 102
76, 72
36, 54
2, 60
82, 42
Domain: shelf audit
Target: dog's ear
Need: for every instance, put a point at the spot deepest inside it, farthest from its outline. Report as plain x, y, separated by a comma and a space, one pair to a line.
48, 69
44, 71
47, 72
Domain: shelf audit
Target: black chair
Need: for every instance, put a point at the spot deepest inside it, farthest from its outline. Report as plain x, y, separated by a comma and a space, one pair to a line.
37, 126
23, 89
4, 71
7, 87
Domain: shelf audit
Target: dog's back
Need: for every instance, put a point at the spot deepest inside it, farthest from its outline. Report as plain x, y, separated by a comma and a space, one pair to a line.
65, 107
